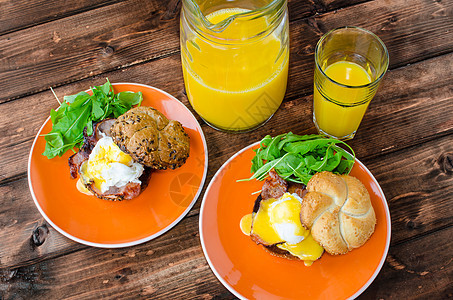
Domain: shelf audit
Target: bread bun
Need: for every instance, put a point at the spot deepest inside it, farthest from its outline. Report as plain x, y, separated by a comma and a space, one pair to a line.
150, 138
338, 211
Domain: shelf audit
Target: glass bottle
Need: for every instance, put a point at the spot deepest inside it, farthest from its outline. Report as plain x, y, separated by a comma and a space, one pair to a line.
235, 60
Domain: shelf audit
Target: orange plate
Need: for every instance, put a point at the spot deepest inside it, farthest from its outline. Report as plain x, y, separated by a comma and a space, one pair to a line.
249, 272
102, 223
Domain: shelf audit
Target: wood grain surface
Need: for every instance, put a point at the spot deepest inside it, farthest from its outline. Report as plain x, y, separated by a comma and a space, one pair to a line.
405, 139
84, 45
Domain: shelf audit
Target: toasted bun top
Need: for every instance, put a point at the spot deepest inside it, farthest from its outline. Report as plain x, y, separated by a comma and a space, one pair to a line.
150, 138
338, 211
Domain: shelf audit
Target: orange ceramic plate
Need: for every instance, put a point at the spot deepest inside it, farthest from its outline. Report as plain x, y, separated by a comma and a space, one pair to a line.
95, 222
250, 272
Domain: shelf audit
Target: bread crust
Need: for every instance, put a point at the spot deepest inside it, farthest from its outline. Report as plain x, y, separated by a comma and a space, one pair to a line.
151, 139
338, 211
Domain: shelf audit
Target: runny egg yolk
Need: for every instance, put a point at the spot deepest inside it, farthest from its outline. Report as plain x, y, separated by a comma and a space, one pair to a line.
108, 166
277, 222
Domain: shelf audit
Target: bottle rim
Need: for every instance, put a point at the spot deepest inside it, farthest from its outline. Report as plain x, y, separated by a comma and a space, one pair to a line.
192, 10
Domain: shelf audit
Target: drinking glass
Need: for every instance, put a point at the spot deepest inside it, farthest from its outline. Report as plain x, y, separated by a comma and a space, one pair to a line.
350, 63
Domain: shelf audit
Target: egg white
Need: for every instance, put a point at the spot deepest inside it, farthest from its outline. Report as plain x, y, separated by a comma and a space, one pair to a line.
287, 222
108, 166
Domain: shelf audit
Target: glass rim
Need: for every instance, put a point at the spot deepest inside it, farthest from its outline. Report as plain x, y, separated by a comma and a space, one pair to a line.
268, 9
375, 81
262, 10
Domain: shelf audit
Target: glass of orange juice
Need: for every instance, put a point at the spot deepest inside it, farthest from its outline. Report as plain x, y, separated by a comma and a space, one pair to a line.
350, 63
235, 60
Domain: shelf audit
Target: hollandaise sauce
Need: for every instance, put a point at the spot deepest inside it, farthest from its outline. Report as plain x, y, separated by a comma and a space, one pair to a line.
307, 250
246, 224
277, 222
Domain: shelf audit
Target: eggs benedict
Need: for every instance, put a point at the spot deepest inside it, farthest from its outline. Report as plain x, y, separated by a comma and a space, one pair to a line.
275, 222
116, 160
109, 168
105, 170
333, 213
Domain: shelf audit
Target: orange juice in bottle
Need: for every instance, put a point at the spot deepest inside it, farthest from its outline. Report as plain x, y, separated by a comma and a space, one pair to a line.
235, 63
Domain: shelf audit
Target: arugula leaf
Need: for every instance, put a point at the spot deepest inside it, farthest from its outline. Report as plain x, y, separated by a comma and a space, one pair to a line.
272, 150
105, 88
130, 98
297, 158
72, 98
82, 110
97, 112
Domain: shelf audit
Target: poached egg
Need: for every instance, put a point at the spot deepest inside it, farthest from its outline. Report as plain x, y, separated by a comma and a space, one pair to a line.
108, 166
277, 222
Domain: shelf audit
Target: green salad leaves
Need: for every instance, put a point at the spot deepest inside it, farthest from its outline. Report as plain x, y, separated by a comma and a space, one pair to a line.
297, 158
82, 110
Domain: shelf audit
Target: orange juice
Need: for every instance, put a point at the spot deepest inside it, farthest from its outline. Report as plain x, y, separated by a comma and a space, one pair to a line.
237, 84
338, 110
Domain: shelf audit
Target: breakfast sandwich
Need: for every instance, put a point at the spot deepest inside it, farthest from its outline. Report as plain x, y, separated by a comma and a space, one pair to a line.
332, 213
117, 159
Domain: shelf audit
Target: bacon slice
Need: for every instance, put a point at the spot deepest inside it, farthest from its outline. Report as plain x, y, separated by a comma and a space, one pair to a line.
126, 192
76, 160
274, 186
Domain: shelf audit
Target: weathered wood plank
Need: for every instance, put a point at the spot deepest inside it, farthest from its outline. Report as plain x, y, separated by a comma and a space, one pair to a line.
409, 19
170, 266
84, 45
418, 184
302, 9
18, 224
412, 31
400, 111
20, 14
173, 266
17, 14
419, 269
404, 112
336, 4
63, 51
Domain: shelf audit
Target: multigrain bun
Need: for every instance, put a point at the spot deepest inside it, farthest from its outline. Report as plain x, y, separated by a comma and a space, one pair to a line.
151, 139
338, 211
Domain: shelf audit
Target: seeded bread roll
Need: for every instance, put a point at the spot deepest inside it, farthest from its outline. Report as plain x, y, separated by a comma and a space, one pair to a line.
151, 139
338, 211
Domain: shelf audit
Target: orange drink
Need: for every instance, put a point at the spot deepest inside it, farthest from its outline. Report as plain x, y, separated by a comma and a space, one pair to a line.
336, 120
350, 63
235, 68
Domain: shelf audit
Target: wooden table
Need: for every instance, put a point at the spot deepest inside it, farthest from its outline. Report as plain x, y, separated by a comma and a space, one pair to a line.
406, 139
